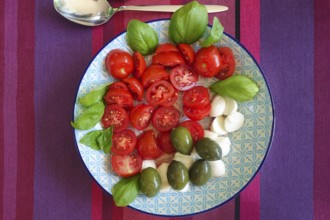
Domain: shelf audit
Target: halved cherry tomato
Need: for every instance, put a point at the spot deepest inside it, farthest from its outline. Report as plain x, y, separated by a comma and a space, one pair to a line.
118, 85
183, 77
154, 73
228, 68
187, 52
117, 116
119, 63
140, 116
123, 142
196, 97
120, 97
164, 142
159, 92
126, 165
139, 64
196, 130
147, 145
165, 48
165, 118
172, 99
169, 59
207, 61
195, 113
135, 87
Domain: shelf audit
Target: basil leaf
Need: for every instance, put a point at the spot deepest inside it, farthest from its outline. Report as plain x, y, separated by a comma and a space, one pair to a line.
90, 117
125, 191
93, 97
90, 139
238, 87
215, 35
141, 37
105, 140
188, 23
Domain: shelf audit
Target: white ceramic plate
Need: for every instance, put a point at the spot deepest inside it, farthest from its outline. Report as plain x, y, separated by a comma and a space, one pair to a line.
249, 145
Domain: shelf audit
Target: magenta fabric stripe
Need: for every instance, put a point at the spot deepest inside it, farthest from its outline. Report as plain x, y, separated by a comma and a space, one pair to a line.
322, 110
250, 38
9, 110
25, 111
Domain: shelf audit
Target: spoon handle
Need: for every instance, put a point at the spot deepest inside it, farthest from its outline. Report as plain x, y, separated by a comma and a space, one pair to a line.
170, 8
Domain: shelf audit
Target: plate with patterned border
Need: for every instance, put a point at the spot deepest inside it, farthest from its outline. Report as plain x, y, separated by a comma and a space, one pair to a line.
249, 147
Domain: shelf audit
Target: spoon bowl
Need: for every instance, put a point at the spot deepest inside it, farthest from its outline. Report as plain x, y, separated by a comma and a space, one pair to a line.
98, 12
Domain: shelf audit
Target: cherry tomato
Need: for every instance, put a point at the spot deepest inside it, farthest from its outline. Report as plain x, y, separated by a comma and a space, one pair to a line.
120, 97
187, 52
140, 116
135, 87
117, 116
169, 59
207, 61
165, 48
228, 67
195, 113
183, 77
118, 85
172, 99
159, 92
126, 165
147, 145
165, 118
119, 63
154, 73
139, 64
196, 97
195, 129
123, 142
164, 142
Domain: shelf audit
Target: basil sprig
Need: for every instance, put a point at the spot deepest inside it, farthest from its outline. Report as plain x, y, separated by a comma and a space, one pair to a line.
90, 117
93, 97
215, 35
126, 190
238, 87
99, 139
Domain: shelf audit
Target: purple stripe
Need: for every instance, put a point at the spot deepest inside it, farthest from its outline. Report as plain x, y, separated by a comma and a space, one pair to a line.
9, 111
287, 60
322, 109
61, 184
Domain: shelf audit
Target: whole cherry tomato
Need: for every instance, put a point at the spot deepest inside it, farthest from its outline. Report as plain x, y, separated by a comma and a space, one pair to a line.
119, 63
207, 61
228, 67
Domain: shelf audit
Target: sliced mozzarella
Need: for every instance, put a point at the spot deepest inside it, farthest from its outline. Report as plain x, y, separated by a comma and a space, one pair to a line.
195, 155
217, 126
186, 188
224, 143
148, 163
231, 106
162, 170
234, 121
218, 168
210, 134
187, 160
217, 106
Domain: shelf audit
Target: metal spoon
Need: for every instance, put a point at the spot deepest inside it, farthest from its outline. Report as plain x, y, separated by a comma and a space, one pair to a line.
97, 12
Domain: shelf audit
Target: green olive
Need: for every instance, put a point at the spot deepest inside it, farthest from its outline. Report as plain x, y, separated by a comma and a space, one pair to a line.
200, 172
181, 140
150, 182
177, 175
208, 149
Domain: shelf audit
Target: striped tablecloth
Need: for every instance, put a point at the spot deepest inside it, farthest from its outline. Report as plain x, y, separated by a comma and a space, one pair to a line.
43, 57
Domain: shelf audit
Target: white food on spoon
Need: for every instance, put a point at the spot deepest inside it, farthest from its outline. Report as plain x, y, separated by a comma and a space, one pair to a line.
217, 126
234, 121
218, 168
218, 106
162, 170
224, 143
186, 160
231, 106
148, 163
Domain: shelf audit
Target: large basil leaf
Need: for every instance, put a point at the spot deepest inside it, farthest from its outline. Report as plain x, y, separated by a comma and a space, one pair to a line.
93, 96
90, 139
238, 87
141, 37
105, 140
188, 23
126, 190
90, 117
215, 35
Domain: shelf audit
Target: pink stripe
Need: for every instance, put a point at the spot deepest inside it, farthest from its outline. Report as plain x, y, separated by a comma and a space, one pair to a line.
97, 43
225, 212
9, 111
250, 38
